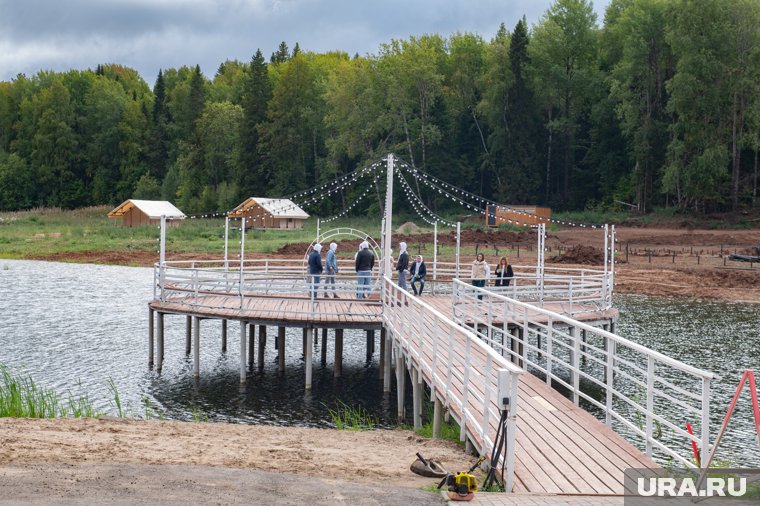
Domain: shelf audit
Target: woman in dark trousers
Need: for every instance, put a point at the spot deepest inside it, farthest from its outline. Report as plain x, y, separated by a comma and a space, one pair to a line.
504, 272
315, 269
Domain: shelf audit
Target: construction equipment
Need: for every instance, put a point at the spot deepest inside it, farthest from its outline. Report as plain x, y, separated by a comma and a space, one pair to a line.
463, 485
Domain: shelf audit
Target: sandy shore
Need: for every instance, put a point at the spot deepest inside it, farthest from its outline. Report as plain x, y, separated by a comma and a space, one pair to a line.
366, 457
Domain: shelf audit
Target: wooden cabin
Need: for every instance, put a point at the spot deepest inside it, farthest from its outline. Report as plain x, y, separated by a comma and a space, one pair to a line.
263, 213
517, 215
133, 213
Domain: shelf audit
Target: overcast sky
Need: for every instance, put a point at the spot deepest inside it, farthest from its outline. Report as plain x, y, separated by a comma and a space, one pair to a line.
151, 34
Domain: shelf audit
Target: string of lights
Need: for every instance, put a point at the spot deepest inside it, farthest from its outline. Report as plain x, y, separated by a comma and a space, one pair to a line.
418, 204
443, 186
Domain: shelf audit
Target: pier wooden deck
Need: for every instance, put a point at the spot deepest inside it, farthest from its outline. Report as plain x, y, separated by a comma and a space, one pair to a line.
332, 313
560, 448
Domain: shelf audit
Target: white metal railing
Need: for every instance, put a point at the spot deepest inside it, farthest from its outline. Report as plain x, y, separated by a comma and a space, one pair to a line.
639, 392
188, 284
578, 289
460, 369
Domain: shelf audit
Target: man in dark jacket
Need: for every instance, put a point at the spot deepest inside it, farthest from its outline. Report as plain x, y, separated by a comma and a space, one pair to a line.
418, 271
365, 262
402, 265
315, 269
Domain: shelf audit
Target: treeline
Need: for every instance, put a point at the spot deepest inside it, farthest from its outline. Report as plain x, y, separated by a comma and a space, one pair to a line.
658, 107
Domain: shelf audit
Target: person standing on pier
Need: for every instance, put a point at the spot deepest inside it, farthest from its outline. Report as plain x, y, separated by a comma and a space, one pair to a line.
402, 265
480, 272
365, 262
504, 273
418, 272
331, 265
315, 269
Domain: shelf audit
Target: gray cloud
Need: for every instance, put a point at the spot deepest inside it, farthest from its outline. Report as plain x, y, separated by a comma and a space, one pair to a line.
151, 34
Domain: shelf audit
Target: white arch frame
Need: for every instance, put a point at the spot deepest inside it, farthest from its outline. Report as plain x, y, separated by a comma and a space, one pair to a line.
344, 231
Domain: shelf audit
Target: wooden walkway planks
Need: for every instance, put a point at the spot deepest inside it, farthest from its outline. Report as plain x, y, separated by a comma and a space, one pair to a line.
560, 448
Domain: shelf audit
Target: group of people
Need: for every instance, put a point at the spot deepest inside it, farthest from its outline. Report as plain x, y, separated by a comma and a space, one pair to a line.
481, 272
414, 272
364, 262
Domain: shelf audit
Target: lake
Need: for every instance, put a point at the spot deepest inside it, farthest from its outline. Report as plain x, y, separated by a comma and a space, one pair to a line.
72, 327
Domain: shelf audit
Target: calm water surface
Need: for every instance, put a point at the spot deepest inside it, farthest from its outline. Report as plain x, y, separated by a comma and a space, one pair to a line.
73, 327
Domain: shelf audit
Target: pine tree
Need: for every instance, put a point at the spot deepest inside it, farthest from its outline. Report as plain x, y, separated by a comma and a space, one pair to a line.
158, 151
281, 55
256, 95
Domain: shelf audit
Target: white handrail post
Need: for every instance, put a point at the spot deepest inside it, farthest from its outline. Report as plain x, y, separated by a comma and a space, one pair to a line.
458, 243
610, 378
573, 331
317, 239
612, 267
242, 258
388, 218
226, 242
435, 254
162, 256
606, 256
705, 450
650, 404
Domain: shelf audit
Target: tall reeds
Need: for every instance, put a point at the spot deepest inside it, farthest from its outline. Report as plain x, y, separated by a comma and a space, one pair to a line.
21, 397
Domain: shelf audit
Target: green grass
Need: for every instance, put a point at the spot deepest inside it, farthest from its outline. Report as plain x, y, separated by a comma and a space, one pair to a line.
21, 397
449, 430
346, 417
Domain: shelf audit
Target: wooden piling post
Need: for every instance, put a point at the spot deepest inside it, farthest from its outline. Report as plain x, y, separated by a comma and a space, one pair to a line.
323, 349
151, 336
437, 417
262, 345
281, 348
370, 344
251, 340
381, 359
196, 346
400, 384
303, 349
160, 342
308, 355
416, 399
224, 336
243, 336
338, 352
386, 344
188, 333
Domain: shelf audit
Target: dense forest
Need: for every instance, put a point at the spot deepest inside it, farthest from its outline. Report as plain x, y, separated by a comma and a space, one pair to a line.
656, 105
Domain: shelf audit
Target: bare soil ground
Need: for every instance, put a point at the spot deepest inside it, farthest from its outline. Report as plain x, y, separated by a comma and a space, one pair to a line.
369, 457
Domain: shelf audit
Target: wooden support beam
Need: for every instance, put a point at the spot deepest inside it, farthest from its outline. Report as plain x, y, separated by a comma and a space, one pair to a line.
243, 336
160, 342
437, 417
196, 346
224, 336
387, 346
151, 336
381, 361
338, 366
323, 349
188, 333
262, 345
416, 399
308, 353
281, 348
251, 341
400, 384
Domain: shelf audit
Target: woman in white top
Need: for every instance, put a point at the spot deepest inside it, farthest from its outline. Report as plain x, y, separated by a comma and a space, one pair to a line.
480, 271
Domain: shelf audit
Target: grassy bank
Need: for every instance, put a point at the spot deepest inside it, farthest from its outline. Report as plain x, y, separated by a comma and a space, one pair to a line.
44, 232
